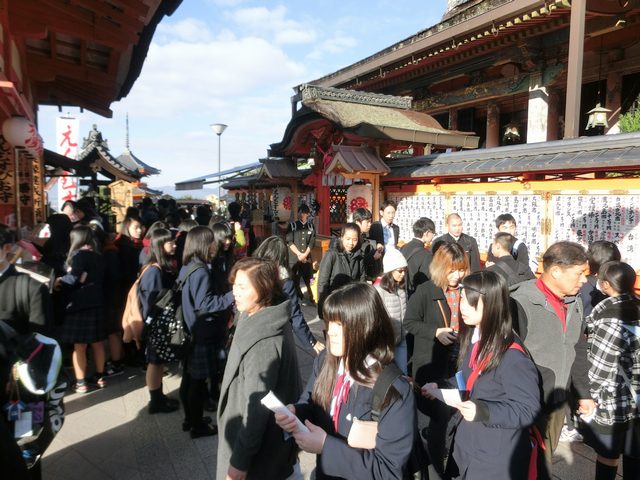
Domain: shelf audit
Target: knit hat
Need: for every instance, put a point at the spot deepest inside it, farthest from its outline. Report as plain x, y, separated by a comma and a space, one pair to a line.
392, 260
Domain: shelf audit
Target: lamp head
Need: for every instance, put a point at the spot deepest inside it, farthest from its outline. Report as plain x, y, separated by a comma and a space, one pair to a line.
218, 128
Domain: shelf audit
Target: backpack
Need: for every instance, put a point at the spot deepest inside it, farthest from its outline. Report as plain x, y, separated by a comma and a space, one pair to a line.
165, 329
418, 459
132, 321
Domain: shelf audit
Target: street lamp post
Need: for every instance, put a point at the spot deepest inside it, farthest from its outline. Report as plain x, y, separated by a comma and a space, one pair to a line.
218, 128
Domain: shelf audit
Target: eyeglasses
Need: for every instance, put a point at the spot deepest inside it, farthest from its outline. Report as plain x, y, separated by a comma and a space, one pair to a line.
462, 286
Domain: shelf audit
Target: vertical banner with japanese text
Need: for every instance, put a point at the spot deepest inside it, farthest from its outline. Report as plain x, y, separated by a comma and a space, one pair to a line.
67, 136
7, 184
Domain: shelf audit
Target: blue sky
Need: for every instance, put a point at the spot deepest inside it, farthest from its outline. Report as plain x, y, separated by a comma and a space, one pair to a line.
235, 62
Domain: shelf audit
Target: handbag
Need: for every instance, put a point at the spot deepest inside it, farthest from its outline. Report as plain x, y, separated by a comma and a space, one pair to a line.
166, 332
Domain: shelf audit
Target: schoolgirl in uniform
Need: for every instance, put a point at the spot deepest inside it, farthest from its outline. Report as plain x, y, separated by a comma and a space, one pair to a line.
199, 308
84, 322
493, 439
342, 265
158, 274
340, 389
614, 374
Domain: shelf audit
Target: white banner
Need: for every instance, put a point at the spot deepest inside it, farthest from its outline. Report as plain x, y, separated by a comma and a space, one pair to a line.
67, 140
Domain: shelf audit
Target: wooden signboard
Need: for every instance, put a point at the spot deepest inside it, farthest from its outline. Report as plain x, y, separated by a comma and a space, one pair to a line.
121, 199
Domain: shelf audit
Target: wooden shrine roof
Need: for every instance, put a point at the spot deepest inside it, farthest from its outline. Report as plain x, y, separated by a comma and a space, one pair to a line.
355, 160
85, 53
131, 162
328, 113
580, 155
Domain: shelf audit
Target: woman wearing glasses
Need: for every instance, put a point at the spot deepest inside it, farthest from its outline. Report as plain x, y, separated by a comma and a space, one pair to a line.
493, 439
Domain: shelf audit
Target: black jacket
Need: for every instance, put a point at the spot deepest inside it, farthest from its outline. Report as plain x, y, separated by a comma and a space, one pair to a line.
431, 360
83, 282
470, 246
418, 261
376, 233
338, 268
511, 270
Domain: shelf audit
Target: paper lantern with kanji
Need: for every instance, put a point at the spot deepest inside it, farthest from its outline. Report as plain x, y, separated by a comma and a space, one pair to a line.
359, 196
20, 132
281, 202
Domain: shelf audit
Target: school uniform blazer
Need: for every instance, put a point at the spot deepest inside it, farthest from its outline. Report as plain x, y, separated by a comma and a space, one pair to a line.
262, 358
152, 282
376, 233
469, 244
394, 442
496, 443
431, 360
83, 282
199, 303
418, 262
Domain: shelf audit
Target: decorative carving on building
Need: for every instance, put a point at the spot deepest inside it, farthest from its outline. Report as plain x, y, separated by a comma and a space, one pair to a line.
311, 92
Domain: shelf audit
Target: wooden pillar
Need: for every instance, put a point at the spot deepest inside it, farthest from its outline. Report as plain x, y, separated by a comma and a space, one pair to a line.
453, 119
538, 110
322, 197
574, 73
553, 114
294, 200
493, 125
375, 203
614, 101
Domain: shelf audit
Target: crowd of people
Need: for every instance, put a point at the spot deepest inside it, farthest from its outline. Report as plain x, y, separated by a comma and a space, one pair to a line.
433, 362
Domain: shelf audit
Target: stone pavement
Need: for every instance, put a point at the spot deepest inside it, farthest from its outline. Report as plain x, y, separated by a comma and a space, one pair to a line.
108, 434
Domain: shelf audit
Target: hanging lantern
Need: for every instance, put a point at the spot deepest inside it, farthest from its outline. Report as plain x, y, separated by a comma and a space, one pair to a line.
22, 133
281, 200
598, 117
359, 196
511, 133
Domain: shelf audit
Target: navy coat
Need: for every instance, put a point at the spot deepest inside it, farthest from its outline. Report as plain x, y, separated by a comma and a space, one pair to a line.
496, 444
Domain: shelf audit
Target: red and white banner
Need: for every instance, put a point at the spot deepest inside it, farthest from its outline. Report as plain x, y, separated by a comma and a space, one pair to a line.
67, 140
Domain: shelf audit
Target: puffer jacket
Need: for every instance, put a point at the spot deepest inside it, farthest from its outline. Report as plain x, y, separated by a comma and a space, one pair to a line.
396, 305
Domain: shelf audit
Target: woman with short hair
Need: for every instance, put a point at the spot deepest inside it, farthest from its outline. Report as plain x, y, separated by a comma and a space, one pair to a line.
262, 358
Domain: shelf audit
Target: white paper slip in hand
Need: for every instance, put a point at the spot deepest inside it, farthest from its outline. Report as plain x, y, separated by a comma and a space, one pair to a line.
274, 404
450, 396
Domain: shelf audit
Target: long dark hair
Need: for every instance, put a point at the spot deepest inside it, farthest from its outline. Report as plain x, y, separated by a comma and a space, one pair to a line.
157, 253
495, 326
80, 236
274, 248
198, 245
366, 330
389, 284
221, 232
621, 277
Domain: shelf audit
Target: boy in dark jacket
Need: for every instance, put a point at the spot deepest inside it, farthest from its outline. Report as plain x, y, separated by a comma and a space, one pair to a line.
417, 255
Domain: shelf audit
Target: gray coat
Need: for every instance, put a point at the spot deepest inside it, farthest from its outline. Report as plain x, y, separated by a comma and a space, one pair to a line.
560, 356
262, 358
396, 305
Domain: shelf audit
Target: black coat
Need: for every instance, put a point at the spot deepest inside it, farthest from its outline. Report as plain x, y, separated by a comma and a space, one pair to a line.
431, 360
338, 268
38, 317
418, 261
83, 282
511, 270
469, 244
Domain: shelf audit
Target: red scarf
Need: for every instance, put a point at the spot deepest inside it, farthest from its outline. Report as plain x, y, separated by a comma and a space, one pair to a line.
340, 396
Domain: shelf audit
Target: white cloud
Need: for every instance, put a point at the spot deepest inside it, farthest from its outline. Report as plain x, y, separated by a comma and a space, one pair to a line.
275, 23
188, 30
332, 46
